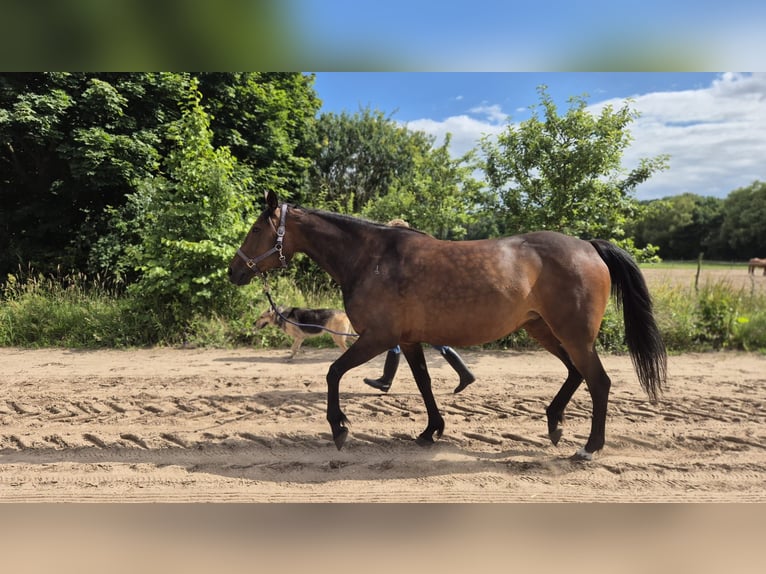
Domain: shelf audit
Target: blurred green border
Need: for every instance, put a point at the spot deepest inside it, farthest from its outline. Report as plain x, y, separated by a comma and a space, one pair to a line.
253, 35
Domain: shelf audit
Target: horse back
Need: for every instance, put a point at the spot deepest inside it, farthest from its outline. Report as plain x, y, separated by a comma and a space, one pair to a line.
472, 292
516, 262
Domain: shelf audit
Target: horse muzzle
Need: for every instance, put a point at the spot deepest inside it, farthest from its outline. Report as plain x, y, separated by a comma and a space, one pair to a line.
241, 276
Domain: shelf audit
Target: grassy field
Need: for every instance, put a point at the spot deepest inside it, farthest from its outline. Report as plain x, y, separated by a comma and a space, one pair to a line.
684, 274
731, 265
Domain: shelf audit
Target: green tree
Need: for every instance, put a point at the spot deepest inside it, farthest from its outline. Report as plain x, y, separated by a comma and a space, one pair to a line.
191, 220
267, 120
564, 173
743, 230
440, 196
359, 157
369, 164
73, 144
681, 226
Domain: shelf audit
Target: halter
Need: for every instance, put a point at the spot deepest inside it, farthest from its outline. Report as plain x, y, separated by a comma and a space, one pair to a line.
252, 263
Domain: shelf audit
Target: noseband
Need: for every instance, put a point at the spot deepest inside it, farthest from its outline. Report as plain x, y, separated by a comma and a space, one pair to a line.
252, 263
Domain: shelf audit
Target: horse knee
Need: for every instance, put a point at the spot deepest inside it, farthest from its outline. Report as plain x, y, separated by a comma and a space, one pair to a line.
600, 387
333, 375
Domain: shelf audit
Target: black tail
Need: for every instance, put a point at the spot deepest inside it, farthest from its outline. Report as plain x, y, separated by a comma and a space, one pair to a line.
641, 333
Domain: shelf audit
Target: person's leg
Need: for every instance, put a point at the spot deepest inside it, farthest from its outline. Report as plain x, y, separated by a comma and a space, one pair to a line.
389, 371
454, 360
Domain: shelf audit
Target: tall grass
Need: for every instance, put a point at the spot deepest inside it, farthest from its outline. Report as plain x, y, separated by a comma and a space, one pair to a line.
71, 311
80, 312
716, 316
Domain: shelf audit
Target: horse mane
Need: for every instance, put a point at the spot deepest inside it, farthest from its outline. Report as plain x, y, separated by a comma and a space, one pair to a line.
348, 222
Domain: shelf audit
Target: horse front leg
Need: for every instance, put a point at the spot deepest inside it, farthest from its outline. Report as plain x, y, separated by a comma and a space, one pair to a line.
555, 411
417, 361
364, 349
335, 416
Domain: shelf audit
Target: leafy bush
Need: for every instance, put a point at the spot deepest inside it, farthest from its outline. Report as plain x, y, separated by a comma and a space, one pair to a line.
178, 231
519, 340
716, 312
611, 337
750, 331
718, 316
674, 310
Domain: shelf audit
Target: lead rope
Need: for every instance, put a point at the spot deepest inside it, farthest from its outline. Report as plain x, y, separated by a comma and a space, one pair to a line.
267, 292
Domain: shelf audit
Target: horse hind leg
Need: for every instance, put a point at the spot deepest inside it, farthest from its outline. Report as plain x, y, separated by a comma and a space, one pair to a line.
588, 362
540, 331
416, 359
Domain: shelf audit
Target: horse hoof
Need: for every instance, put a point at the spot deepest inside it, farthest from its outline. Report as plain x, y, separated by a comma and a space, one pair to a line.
582, 455
340, 438
424, 440
555, 436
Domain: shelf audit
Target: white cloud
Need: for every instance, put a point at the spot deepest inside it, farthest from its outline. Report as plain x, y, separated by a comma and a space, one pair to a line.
466, 131
716, 136
493, 113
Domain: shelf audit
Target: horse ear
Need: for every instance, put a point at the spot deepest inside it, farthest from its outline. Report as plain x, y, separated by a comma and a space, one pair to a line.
271, 200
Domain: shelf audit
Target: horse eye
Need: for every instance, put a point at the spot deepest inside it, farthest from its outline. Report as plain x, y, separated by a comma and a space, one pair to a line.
255, 229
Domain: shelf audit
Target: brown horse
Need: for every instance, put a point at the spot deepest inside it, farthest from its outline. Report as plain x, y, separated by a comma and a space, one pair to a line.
402, 287
754, 263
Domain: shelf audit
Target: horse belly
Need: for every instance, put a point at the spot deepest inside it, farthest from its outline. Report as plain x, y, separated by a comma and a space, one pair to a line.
466, 326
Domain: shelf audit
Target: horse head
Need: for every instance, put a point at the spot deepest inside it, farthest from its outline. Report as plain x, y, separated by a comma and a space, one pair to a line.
264, 246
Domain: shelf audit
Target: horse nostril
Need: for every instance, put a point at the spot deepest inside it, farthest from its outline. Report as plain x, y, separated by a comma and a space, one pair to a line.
231, 271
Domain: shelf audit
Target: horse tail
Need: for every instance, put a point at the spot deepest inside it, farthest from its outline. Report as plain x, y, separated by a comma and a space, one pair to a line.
647, 351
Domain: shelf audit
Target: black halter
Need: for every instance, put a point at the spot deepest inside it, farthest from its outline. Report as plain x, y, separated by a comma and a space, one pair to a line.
252, 263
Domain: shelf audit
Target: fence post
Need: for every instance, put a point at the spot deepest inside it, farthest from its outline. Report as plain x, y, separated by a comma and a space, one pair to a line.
699, 268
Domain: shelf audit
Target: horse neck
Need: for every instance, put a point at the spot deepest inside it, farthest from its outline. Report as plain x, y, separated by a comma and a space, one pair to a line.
333, 246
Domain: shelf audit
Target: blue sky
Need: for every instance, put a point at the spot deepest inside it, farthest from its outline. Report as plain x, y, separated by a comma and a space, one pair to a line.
712, 125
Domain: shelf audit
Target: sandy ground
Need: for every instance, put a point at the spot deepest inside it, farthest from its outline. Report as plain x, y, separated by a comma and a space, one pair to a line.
245, 425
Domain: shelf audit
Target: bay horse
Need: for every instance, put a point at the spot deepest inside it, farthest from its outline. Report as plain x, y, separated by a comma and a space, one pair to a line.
404, 287
754, 263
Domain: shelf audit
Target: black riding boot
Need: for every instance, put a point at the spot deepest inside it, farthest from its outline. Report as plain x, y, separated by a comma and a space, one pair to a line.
454, 360
389, 371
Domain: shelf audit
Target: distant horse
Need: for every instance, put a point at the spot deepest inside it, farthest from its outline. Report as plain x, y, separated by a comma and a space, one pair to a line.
756, 262
403, 287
